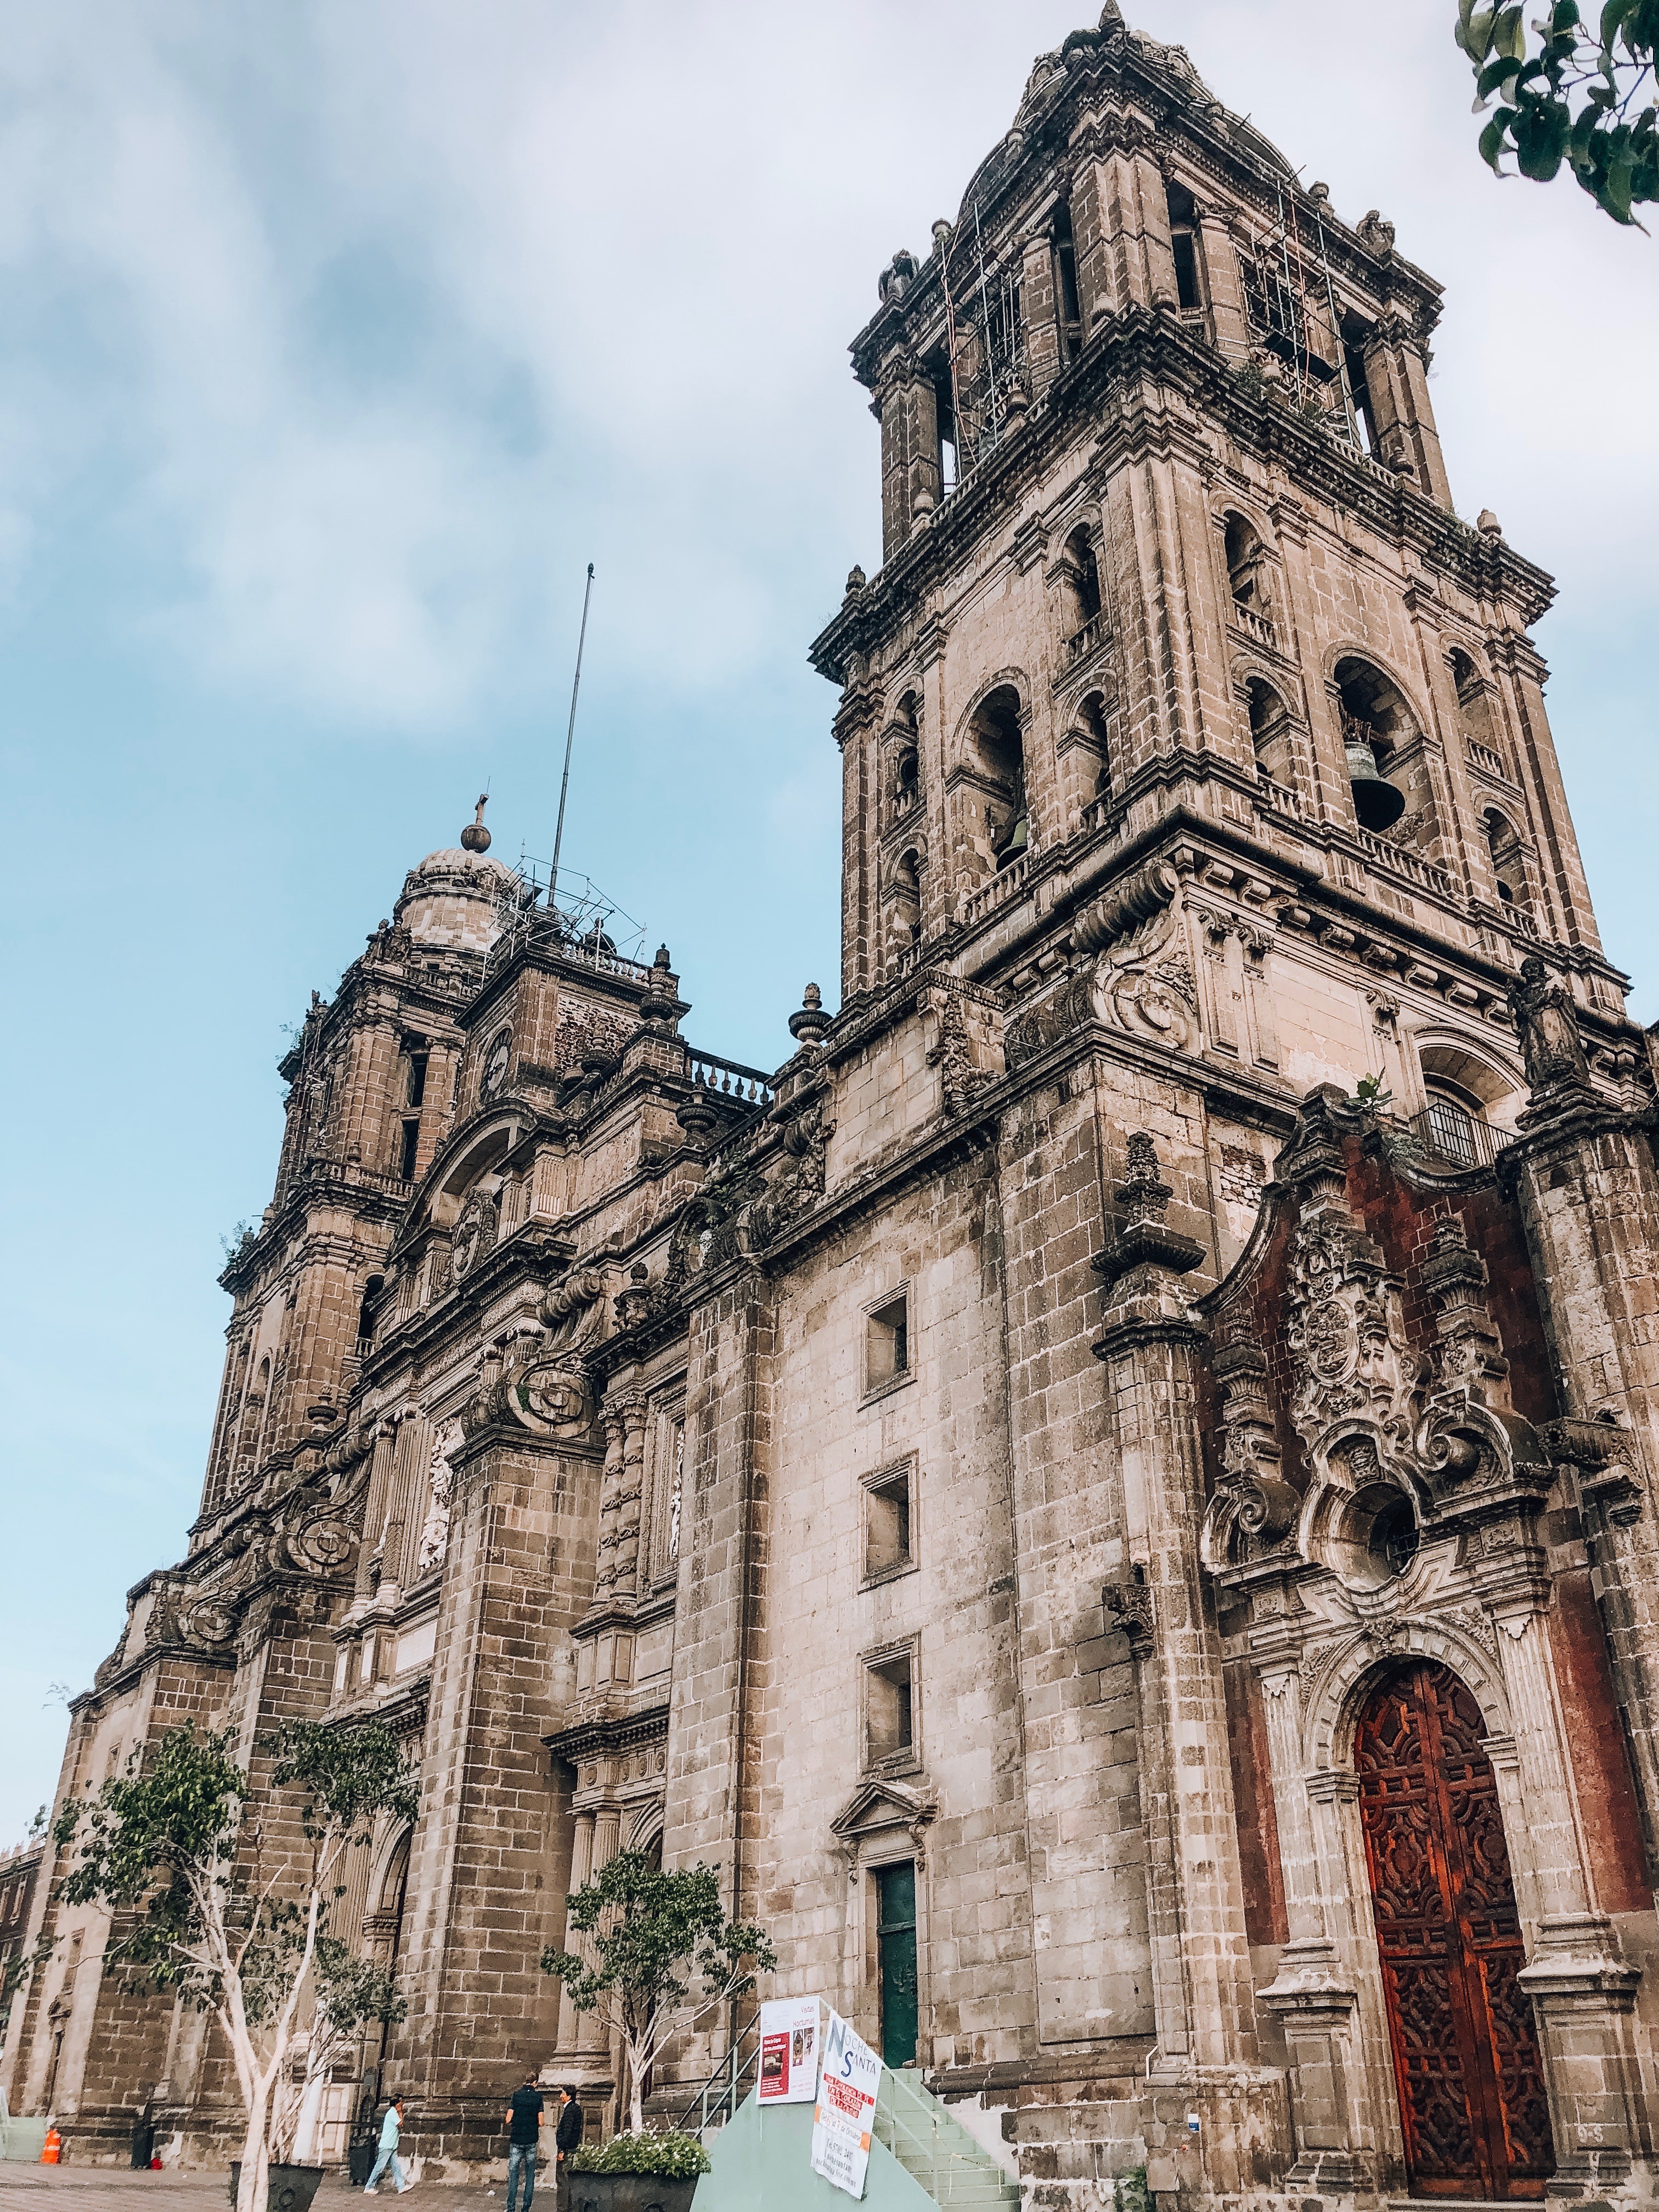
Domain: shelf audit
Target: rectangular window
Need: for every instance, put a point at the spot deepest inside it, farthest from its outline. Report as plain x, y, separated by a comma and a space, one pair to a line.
887, 1341
889, 1521
416, 1079
1185, 262
890, 1707
412, 1145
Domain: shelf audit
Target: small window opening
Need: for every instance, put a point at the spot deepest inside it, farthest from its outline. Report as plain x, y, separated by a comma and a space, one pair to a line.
1001, 749
1082, 580
1065, 291
887, 1342
1183, 239
1359, 390
410, 1146
1091, 715
1270, 734
1508, 866
1246, 559
372, 1290
416, 1079
887, 1522
888, 1710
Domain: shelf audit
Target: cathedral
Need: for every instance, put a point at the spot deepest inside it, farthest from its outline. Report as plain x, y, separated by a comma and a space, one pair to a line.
1112, 1494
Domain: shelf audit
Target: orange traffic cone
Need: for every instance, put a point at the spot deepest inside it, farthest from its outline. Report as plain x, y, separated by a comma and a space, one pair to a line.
52, 2150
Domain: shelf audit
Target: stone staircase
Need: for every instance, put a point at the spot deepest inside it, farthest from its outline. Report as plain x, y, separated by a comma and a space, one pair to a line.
937, 2151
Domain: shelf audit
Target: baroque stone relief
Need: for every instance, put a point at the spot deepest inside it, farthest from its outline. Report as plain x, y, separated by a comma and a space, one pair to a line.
1136, 976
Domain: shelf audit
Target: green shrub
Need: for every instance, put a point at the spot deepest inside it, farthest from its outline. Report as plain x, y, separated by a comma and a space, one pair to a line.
670, 2157
1131, 2190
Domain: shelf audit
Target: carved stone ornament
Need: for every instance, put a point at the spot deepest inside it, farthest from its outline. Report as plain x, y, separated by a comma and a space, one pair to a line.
1137, 977
434, 1530
474, 1235
1382, 1426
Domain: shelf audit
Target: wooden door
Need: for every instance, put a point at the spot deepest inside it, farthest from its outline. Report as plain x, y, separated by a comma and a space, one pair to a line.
1466, 2057
895, 1935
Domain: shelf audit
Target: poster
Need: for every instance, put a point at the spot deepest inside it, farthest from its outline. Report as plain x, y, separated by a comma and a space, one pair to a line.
848, 2082
789, 2052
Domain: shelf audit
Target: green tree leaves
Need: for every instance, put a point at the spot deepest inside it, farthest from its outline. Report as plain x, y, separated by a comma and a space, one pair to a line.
653, 1939
1578, 96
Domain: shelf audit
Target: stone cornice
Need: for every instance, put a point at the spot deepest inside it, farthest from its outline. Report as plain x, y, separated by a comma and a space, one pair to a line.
1152, 347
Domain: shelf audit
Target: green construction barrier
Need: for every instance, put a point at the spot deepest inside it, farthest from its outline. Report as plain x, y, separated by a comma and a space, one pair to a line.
920, 2155
763, 2160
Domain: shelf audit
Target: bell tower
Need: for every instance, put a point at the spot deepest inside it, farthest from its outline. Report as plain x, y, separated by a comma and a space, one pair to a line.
1175, 618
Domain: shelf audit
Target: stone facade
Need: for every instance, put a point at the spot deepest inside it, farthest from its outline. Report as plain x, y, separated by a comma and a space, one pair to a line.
1146, 1420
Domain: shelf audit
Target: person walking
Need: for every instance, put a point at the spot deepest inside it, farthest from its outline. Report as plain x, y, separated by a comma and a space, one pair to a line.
391, 2128
524, 2125
566, 2137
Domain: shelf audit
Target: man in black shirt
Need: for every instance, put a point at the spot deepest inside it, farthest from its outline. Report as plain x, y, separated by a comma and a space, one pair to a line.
524, 2124
566, 2136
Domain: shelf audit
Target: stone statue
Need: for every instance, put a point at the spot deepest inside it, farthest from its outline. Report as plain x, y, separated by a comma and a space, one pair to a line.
1546, 1023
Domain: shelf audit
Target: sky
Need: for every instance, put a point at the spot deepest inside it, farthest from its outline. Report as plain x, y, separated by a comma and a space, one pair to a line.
335, 341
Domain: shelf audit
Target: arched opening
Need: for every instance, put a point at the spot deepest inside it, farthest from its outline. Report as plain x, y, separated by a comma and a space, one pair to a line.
1000, 747
905, 912
1475, 712
1271, 733
1509, 863
1376, 724
1183, 241
1247, 565
1091, 718
1471, 1106
1470, 2080
904, 754
1079, 584
372, 1291
1066, 302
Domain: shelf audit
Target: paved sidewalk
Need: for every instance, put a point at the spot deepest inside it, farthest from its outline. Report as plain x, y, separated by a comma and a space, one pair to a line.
115, 2189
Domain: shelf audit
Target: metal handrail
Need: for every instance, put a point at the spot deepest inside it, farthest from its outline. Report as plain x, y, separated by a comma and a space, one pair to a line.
726, 2085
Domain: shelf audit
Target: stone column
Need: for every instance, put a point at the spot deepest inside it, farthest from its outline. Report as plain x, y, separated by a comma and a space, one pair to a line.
594, 2038
610, 1489
1039, 312
1206, 2048
629, 1498
581, 1872
1232, 331
910, 479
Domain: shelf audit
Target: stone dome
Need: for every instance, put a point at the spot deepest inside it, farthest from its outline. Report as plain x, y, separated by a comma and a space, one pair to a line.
453, 899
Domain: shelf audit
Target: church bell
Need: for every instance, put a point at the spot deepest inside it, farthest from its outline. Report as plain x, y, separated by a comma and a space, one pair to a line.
1378, 802
1018, 838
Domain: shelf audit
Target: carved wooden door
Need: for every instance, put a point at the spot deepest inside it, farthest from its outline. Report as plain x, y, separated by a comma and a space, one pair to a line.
1465, 2049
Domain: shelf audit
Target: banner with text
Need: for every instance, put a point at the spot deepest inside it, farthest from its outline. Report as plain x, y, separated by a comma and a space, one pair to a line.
848, 2081
789, 2050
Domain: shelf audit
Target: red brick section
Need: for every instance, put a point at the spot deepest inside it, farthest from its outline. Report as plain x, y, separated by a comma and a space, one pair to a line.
1252, 1797
1607, 1797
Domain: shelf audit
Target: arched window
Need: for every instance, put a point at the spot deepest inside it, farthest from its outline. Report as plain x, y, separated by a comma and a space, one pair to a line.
1079, 579
1067, 302
1378, 726
904, 753
1472, 1103
1475, 712
372, 1290
1270, 734
995, 734
1509, 863
1453, 1127
1183, 239
1091, 715
1247, 562
907, 899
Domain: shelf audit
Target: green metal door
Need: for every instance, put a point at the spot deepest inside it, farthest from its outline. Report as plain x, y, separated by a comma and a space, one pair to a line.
895, 1937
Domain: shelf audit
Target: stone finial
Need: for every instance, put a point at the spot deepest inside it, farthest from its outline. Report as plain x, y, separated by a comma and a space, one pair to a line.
809, 1025
943, 233
1320, 194
1145, 1242
896, 276
474, 838
664, 959
1547, 1023
856, 580
1111, 16
1488, 525
696, 1117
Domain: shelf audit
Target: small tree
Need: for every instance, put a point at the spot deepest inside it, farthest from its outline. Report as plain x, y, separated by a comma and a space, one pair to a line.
351, 1995
664, 1955
164, 1842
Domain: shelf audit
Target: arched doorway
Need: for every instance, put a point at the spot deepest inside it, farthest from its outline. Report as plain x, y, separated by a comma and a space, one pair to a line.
1466, 2060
